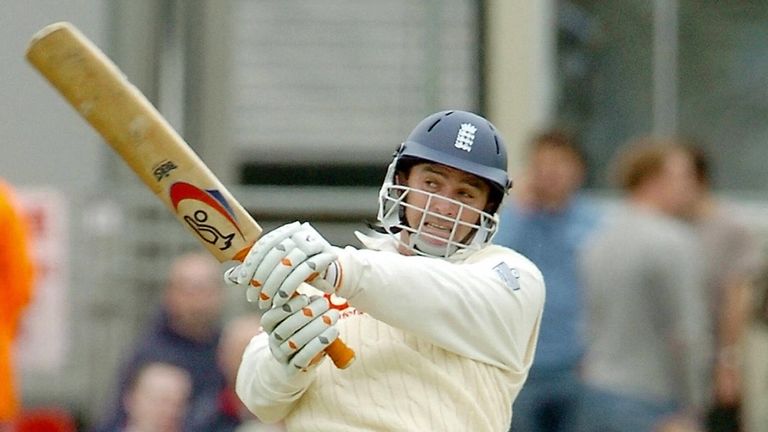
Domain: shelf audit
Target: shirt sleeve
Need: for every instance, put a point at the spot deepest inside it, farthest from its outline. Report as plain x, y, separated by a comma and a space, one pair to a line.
488, 310
267, 388
690, 337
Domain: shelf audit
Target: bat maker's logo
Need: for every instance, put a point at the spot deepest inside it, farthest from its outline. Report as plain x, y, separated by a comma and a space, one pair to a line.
213, 199
163, 169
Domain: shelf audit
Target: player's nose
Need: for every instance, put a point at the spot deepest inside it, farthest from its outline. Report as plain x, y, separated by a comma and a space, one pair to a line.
444, 206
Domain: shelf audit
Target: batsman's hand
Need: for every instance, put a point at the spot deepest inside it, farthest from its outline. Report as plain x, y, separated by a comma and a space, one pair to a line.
300, 330
280, 261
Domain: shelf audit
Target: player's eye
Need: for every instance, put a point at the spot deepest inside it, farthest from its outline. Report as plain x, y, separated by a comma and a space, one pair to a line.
467, 195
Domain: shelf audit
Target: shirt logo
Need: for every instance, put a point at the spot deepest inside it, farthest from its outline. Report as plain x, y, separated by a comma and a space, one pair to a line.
465, 137
510, 276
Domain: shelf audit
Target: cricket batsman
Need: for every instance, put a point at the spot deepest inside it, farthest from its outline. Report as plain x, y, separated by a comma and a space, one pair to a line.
444, 323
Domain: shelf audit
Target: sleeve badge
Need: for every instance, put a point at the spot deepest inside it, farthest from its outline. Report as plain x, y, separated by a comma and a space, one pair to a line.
510, 276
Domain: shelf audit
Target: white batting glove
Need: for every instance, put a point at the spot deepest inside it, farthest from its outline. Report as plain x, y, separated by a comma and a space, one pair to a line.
280, 261
300, 330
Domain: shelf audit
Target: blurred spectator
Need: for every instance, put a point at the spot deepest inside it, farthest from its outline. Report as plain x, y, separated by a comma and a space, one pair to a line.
755, 401
16, 274
548, 222
186, 334
731, 257
232, 415
646, 362
157, 398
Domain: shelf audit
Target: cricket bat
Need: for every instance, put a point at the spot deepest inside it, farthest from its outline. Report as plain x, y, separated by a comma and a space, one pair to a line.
164, 162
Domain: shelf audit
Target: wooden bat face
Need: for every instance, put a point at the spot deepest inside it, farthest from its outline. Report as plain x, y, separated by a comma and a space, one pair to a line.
142, 137
132, 126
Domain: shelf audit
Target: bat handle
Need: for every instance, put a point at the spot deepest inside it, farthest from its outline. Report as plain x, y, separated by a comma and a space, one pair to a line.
340, 353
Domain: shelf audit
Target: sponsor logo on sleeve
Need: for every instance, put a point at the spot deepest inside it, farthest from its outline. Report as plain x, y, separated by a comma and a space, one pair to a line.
510, 276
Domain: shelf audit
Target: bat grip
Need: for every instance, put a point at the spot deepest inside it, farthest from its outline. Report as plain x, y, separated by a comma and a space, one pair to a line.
340, 353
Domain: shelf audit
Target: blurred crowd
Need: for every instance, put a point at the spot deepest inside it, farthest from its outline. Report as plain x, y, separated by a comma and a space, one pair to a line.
656, 309
180, 374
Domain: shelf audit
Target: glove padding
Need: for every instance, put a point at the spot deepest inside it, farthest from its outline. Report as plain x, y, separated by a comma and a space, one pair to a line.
300, 330
280, 262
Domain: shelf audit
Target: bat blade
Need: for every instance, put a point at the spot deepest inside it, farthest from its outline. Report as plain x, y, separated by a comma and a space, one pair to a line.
132, 126
164, 162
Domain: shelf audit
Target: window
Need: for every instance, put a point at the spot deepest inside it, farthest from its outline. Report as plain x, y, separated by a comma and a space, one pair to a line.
705, 76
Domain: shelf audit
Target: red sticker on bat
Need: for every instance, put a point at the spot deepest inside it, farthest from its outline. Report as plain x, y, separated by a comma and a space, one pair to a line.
199, 221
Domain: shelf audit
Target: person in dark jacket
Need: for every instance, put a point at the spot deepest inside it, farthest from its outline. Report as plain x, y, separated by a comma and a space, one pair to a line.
186, 334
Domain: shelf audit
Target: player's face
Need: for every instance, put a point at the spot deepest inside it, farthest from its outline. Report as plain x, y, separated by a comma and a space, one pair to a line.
456, 185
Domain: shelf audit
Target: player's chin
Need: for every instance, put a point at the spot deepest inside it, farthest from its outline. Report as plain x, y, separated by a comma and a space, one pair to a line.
434, 237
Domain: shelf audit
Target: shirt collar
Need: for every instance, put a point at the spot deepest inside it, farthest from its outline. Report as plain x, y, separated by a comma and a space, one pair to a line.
377, 241
385, 243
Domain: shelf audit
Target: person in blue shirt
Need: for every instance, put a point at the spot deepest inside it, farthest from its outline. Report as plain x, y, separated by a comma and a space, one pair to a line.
547, 221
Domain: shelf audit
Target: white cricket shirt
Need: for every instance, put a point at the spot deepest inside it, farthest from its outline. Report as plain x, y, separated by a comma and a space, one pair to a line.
442, 345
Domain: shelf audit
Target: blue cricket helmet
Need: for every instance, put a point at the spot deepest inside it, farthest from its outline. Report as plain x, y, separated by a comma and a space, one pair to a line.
461, 140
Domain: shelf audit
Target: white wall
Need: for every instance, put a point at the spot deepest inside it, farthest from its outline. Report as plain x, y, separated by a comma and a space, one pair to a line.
43, 140
520, 68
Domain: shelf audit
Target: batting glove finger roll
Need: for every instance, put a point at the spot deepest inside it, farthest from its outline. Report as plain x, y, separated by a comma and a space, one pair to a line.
242, 275
300, 330
280, 262
306, 270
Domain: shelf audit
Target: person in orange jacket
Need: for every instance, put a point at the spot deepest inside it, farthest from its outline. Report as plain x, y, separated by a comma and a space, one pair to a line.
16, 275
